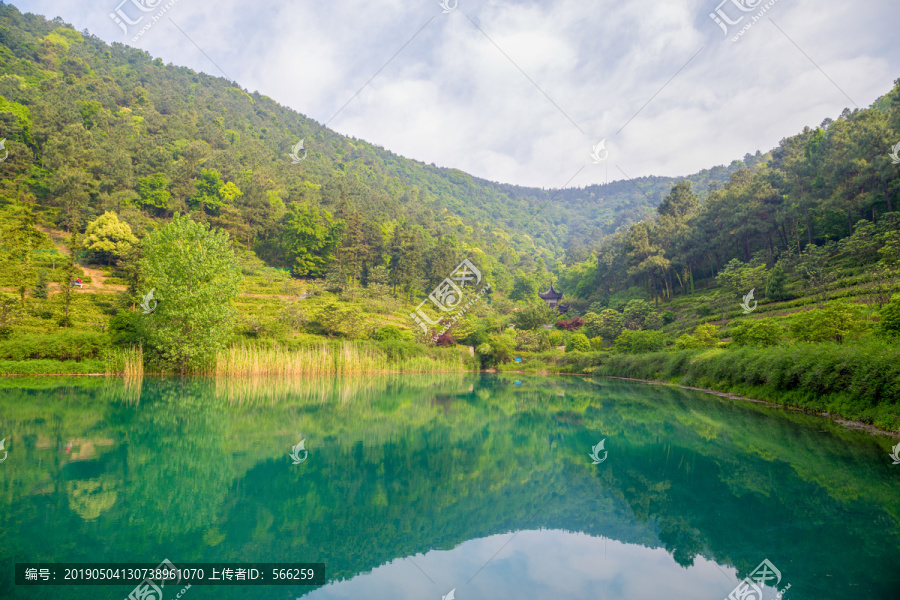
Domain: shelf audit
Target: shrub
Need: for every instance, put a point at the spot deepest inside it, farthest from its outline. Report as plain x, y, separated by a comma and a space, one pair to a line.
387, 332
578, 342
570, 324
763, 333
667, 317
639, 342
597, 343
890, 317
556, 338
834, 322
705, 336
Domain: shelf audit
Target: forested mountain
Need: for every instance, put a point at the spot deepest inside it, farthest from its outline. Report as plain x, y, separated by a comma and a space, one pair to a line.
91, 128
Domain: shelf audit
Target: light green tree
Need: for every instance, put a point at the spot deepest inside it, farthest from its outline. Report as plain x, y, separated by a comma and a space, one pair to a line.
193, 273
108, 237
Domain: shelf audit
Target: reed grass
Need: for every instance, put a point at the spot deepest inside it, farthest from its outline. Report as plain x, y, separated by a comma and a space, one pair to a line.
128, 362
344, 358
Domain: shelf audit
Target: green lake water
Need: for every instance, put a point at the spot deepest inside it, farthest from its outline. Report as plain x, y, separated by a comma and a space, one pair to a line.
413, 486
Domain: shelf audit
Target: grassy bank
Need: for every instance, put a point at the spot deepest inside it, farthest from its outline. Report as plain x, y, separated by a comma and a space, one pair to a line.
858, 381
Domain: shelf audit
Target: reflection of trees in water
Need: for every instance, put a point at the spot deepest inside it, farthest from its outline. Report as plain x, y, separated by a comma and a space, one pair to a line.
92, 497
401, 465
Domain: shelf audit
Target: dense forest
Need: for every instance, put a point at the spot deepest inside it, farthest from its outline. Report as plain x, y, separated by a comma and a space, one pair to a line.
92, 128
133, 177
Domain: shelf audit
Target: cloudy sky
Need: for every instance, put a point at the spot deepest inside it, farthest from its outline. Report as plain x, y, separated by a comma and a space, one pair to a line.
520, 92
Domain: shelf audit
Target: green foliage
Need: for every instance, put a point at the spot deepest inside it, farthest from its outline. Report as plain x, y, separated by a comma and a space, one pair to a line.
775, 283
388, 332
890, 318
533, 316
739, 278
639, 342
836, 321
192, 270
856, 380
311, 236
106, 237
608, 325
41, 288
705, 335
524, 288
578, 342
636, 315
10, 313
762, 333
499, 349
338, 319
66, 345
153, 191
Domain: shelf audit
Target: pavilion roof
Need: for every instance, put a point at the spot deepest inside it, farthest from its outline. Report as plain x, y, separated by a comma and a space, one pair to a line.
550, 294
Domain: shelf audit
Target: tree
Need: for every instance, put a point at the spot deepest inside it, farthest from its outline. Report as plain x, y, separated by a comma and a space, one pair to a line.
636, 314
608, 325
40, 289
775, 283
534, 315
310, 236
153, 191
192, 271
524, 288
10, 313
108, 237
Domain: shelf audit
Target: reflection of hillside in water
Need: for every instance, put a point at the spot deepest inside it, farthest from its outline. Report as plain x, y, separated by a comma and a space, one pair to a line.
402, 465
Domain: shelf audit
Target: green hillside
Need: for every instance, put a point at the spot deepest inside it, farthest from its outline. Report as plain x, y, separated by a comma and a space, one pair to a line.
776, 276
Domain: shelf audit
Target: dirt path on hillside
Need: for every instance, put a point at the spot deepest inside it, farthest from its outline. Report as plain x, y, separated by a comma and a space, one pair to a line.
98, 280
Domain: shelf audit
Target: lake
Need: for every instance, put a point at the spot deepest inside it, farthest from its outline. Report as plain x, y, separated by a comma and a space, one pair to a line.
463, 486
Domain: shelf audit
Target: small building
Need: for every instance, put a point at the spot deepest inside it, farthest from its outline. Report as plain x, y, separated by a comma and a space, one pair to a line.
551, 297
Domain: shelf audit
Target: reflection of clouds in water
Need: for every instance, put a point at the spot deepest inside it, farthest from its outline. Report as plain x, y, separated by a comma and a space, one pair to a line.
540, 565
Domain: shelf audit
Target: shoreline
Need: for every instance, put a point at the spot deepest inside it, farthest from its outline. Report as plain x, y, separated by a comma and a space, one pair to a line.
858, 425
867, 427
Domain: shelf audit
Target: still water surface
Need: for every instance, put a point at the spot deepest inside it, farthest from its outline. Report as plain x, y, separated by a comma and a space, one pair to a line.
416, 486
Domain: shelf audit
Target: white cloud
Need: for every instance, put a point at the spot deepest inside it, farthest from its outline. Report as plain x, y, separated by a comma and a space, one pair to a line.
452, 98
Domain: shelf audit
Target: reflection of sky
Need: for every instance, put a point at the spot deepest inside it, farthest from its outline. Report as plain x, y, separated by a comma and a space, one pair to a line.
539, 565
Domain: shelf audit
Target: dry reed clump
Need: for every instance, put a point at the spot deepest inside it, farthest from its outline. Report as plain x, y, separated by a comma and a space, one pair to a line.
345, 358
